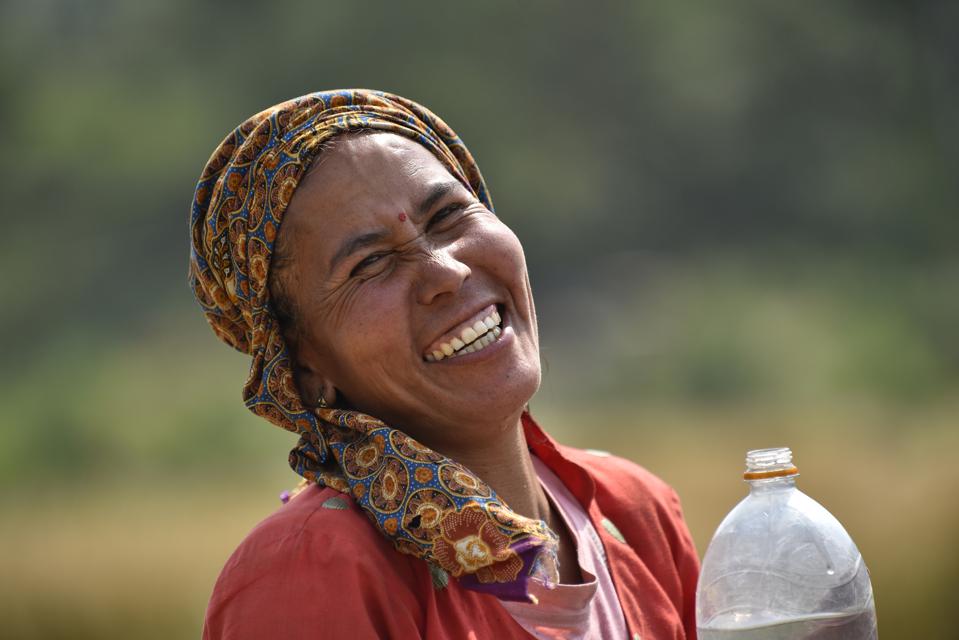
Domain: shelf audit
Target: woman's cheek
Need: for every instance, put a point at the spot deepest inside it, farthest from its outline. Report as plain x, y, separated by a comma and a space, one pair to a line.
507, 248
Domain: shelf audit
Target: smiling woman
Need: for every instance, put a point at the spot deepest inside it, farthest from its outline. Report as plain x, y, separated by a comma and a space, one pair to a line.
389, 295
346, 240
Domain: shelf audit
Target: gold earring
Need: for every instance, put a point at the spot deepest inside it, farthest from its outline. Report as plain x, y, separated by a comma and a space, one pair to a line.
322, 402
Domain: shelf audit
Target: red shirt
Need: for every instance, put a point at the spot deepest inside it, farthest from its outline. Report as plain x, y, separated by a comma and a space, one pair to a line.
317, 568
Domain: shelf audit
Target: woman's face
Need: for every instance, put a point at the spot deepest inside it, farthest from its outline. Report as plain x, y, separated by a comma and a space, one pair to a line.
391, 259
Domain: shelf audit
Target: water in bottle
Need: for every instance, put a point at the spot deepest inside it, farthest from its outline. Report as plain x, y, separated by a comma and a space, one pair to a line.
781, 567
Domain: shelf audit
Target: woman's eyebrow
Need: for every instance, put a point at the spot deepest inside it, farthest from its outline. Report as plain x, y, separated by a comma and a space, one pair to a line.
435, 193
356, 243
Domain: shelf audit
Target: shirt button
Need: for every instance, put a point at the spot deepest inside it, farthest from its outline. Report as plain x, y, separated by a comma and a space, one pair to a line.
612, 530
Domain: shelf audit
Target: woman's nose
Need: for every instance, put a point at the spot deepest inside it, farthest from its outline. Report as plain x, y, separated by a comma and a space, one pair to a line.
441, 272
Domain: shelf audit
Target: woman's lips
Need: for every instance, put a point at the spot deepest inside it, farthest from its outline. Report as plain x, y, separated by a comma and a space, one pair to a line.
474, 334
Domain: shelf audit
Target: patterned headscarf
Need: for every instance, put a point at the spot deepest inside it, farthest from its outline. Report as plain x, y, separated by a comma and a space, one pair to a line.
421, 500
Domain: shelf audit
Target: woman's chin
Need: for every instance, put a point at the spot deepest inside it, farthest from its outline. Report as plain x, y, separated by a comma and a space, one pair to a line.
501, 404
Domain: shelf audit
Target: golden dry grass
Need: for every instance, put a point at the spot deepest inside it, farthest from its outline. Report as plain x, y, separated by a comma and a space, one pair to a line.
139, 560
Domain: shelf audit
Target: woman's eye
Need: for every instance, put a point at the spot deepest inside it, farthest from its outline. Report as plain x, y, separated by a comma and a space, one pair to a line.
366, 262
443, 214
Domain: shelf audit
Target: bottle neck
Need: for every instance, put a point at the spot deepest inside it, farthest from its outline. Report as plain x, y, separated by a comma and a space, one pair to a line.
780, 483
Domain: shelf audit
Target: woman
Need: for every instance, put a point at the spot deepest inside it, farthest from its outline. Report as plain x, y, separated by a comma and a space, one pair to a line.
346, 240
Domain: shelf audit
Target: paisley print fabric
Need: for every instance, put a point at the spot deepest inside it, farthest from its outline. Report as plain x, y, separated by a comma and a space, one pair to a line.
428, 505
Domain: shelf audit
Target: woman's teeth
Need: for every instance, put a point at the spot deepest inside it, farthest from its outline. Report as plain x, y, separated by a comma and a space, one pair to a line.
473, 338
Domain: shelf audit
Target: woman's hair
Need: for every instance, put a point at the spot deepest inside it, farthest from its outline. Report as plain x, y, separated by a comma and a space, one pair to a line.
280, 285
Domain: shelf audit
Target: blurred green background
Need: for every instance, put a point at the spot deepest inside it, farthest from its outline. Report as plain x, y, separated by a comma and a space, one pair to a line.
741, 219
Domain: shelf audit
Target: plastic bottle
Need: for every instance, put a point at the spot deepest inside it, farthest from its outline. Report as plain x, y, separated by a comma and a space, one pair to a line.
782, 567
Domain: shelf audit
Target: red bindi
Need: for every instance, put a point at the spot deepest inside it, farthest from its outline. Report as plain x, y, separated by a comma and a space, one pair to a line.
402, 217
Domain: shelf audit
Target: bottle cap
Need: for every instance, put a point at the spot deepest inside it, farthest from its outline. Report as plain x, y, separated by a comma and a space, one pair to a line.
762, 464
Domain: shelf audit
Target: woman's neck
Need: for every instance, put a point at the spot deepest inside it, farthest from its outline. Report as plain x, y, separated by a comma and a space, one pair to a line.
506, 465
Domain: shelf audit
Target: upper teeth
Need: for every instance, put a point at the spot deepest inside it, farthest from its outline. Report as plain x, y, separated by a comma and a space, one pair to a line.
472, 338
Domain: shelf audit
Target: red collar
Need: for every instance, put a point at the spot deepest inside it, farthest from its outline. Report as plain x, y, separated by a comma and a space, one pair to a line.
575, 477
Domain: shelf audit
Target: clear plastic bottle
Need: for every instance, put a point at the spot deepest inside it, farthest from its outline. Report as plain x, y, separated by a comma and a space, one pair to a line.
782, 567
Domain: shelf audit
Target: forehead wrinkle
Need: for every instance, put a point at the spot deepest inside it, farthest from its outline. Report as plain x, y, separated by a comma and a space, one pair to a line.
372, 190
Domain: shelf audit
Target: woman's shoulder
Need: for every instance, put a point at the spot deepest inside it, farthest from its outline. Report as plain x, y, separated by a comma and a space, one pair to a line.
315, 558
630, 477
317, 531
618, 482
633, 496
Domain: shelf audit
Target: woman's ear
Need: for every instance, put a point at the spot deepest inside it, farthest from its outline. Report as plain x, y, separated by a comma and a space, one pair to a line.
315, 389
327, 395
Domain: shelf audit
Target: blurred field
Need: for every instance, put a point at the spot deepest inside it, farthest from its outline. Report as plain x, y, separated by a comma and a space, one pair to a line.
139, 559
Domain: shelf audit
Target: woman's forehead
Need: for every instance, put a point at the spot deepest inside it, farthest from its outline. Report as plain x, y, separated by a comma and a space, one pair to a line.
365, 174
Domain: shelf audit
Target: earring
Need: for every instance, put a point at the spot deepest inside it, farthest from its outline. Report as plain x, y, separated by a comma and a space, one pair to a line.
322, 402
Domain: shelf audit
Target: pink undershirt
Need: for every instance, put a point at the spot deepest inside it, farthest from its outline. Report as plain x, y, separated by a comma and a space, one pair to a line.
587, 610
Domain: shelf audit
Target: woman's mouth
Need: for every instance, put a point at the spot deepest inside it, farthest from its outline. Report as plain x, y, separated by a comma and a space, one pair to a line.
477, 333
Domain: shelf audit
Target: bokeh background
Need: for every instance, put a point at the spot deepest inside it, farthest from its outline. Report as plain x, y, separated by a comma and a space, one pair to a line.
741, 219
